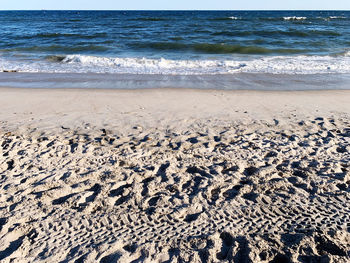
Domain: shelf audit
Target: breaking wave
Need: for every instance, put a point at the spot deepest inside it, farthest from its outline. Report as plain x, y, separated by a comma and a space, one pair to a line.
301, 64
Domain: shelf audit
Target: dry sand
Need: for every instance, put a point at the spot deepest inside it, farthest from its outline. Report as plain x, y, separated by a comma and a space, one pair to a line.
174, 176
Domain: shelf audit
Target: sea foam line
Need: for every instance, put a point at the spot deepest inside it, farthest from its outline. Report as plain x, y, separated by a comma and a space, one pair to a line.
267, 64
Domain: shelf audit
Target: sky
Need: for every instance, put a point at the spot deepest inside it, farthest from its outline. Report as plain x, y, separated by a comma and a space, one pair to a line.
175, 4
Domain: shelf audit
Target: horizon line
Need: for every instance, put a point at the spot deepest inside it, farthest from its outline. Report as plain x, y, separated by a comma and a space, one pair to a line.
271, 10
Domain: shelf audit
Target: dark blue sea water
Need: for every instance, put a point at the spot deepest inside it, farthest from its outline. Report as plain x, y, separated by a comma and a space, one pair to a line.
176, 42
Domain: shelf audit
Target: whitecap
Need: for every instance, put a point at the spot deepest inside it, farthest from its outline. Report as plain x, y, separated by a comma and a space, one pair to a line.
337, 17
294, 18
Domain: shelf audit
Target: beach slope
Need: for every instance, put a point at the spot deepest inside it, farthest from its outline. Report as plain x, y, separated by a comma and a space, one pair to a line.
169, 175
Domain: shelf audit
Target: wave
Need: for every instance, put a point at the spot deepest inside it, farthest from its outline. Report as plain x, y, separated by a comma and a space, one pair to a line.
234, 33
271, 19
291, 33
337, 17
59, 48
274, 64
151, 19
294, 18
209, 48
157, 66
55, 58
225, 18
75, 20
177, 38
238, 49
58, 35
302, 18
117, 65
345, 53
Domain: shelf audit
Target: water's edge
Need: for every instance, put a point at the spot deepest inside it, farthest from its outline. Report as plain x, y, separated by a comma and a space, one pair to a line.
241, 81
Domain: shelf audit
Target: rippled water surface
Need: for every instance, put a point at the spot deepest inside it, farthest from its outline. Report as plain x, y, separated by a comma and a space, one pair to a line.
176, 42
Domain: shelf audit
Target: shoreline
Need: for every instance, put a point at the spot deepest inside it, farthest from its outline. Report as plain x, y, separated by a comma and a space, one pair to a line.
237, 81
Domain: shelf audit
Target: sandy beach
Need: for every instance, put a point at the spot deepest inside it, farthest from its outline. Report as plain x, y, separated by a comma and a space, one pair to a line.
172, 175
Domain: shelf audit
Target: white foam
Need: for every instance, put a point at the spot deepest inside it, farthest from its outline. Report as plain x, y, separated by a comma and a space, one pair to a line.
337, 17
233, 17
302, 65
346, 54
294, 18
266, 64
155, 66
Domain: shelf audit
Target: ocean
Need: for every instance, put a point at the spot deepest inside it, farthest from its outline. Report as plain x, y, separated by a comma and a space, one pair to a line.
240, 49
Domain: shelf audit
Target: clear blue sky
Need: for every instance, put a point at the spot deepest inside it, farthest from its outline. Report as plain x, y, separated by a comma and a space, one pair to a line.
175, 4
